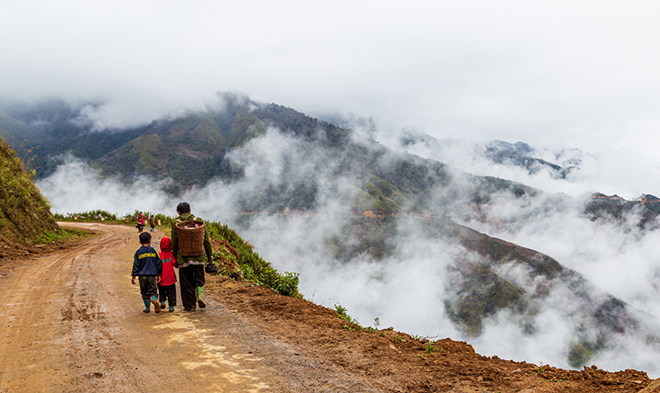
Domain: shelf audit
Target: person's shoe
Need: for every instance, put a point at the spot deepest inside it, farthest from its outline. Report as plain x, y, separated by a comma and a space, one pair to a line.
147, 305
171, 309
156, 303
200, 299
193, 308
162, 305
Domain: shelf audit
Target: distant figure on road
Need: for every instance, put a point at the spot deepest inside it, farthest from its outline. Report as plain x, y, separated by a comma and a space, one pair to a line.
192, 250
152, 223
167, 285
148, 267
141, 221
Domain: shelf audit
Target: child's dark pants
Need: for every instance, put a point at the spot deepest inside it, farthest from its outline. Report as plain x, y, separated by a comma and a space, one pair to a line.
148, 287
167, 292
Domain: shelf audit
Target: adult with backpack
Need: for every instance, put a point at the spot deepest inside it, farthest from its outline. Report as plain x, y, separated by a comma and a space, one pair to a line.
192, 249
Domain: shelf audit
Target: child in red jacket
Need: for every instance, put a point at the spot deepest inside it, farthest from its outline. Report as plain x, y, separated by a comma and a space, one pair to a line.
166, 287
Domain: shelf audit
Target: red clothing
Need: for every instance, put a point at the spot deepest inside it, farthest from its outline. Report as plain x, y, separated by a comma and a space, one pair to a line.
168, 277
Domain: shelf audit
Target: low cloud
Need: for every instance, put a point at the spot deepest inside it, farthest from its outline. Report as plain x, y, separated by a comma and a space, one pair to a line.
76, 187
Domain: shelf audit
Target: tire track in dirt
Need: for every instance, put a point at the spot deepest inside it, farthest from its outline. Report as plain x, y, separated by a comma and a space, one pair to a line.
30, 315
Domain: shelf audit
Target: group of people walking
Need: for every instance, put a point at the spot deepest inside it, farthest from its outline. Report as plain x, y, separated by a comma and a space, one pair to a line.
142, 222
155, 270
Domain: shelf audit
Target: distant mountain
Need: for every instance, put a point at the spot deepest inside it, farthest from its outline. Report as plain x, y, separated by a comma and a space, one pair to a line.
646, 207
559, 164
192, 149
523, 155
44, 131
189, 149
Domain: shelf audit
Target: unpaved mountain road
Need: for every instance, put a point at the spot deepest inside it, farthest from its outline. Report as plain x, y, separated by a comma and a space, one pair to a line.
73, 322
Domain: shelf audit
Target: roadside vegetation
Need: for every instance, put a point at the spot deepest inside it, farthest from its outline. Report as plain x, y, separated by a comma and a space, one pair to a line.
60, 235
234, 256
25, 217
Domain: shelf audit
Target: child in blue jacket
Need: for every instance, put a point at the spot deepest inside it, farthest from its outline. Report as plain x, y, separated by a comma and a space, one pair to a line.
148, 267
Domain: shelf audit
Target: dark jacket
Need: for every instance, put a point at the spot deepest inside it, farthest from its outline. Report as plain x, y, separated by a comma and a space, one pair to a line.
146, 262
183, 261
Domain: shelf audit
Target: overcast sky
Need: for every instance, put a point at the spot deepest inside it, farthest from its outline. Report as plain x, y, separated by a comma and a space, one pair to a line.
568, 73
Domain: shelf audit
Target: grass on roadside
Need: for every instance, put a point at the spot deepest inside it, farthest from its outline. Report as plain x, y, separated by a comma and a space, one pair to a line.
62, 234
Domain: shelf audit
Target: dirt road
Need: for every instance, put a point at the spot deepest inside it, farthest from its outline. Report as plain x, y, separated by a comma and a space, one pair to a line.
73, 322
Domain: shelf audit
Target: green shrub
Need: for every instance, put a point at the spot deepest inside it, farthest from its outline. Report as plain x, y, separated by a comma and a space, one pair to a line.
341, 310
287, 283
254, 268
94, 215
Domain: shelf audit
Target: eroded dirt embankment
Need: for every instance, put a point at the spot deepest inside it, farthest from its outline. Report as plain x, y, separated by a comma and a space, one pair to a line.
72, 322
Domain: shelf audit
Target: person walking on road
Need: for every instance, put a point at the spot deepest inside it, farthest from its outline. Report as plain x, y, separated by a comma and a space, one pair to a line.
152, 223
141, 222
148, 267
191, 267
167, 285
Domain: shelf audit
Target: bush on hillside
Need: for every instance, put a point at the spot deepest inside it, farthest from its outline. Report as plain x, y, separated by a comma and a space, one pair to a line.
254, 267
94, 215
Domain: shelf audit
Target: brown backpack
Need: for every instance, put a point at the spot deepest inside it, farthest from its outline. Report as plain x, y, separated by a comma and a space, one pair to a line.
190, 236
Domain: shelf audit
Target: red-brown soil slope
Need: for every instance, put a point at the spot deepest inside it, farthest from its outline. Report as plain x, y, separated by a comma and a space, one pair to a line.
397, 362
